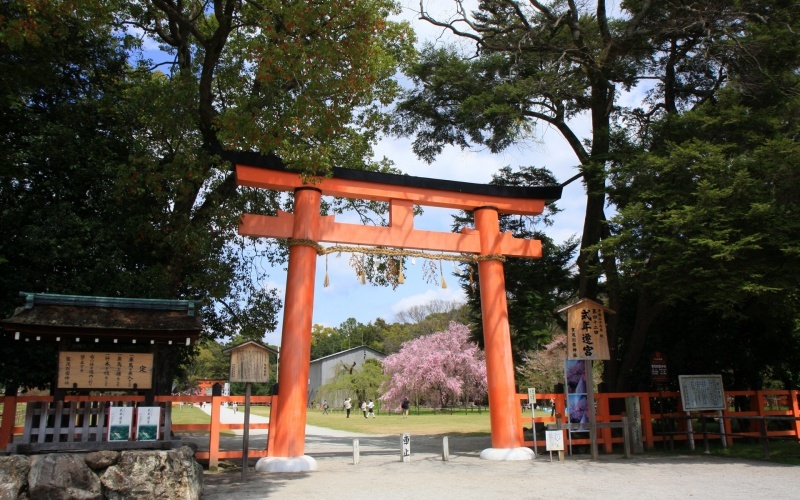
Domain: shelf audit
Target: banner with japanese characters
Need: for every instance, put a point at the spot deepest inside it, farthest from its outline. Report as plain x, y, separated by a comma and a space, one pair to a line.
105, 370
147, 420
586, 331
119, 423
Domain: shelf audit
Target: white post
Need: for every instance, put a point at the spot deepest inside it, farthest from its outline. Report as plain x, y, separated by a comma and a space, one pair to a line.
405, 443
722, 429
445, 450
532, 401
356, 453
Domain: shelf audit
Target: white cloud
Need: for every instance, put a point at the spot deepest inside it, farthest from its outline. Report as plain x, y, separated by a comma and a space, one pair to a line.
450, 294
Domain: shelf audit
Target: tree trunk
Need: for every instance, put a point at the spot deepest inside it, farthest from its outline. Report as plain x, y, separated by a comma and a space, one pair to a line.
647, 312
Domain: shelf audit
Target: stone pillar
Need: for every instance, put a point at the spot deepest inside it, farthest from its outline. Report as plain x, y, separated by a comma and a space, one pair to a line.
504, 412
288, 419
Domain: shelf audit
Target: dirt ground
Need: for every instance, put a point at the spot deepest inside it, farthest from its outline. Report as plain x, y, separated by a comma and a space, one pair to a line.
382, 475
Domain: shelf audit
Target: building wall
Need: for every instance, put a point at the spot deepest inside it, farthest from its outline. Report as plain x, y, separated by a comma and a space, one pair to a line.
322, 370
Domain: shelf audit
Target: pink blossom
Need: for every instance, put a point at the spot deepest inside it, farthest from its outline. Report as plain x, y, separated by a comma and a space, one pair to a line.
443, 368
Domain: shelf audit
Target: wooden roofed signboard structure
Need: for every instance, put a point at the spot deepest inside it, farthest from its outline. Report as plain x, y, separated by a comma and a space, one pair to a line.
104, 343
305, 229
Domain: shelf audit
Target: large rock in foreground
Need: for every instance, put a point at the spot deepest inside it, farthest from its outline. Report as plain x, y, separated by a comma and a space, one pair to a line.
169, 474
13, 476
63, 477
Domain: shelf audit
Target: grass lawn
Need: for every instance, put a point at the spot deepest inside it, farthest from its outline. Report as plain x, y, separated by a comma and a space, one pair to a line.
780, 450
189, 414
422, 424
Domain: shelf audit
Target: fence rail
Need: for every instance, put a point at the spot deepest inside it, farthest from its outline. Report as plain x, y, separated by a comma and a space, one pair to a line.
9, 428
662, 419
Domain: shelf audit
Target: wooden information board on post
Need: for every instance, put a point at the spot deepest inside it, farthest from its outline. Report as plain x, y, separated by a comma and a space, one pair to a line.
249, 364
587, 340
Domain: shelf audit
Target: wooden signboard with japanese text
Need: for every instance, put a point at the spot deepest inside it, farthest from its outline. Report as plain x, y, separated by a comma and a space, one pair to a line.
249, 363
105, 370
586, 331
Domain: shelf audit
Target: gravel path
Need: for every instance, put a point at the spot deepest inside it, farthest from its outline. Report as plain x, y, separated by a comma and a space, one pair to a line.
381, 474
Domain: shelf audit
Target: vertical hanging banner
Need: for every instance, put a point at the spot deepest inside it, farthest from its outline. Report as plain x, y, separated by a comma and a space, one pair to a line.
586, 330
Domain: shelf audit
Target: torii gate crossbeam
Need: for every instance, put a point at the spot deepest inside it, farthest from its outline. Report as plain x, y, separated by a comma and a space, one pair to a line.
288, 417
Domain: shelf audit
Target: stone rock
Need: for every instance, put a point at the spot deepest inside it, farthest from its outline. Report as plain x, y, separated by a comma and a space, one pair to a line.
13, 476
99, 460
63, 477
168, 474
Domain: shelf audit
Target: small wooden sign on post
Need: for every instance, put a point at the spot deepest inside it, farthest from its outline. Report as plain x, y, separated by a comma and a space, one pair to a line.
249, 364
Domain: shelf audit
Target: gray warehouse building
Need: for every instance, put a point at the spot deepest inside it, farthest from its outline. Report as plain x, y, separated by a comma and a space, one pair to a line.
323, 370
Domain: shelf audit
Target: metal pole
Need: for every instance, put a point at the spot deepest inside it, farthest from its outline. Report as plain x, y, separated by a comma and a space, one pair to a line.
246, 432
592, 416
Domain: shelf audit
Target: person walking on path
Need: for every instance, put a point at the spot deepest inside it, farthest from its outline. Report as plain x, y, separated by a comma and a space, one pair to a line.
364, 408
405, 405
371, 408
324, 407
347, 406
235, 407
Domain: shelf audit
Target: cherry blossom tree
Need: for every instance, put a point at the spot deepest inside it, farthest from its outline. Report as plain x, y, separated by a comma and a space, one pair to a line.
442, 369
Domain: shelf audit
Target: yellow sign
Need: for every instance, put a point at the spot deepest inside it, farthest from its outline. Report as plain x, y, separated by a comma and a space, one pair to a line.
105, 370
586, 331
249, 363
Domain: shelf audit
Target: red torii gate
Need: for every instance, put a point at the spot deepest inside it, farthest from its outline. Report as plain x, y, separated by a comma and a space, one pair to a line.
307, 228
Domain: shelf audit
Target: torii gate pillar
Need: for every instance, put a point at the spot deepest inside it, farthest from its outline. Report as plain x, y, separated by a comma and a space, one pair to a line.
288, 418
504, 413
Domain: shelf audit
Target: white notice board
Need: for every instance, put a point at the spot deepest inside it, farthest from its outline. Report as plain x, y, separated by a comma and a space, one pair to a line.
554, 440
702, 392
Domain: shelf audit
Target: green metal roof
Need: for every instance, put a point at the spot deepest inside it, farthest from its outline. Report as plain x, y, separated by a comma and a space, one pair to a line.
32, 299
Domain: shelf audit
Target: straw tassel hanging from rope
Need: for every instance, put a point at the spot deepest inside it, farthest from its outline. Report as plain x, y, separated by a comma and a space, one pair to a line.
400, 278
326, 282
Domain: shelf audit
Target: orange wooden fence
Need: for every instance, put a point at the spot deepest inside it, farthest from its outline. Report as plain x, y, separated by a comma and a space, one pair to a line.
656, 408
659, 410
213, 455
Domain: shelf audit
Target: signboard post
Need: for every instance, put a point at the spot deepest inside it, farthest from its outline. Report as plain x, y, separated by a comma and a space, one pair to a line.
587, 340
249, 364
532, 401
634, 412
699, 393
